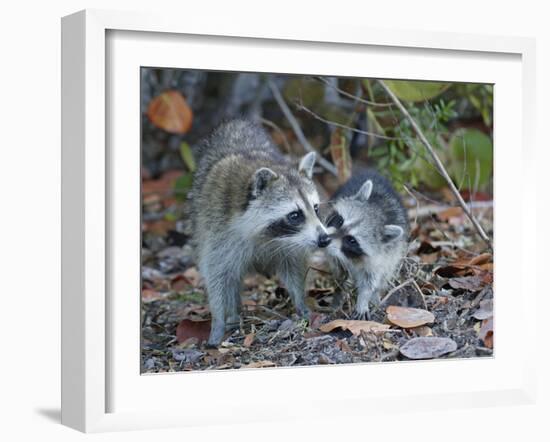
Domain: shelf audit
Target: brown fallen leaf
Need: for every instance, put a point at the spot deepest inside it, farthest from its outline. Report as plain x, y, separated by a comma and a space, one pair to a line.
451, 212
149, 295
170, 112
180, 282
259, 364
407, 317
192, 329
470, 283
355, 327
343, 345
486, 332
427, 347
454, 270
316, 319
193, 276
249, 339
481, 259
423, 331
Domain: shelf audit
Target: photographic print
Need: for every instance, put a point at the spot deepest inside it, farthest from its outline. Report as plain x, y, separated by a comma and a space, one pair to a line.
301, 220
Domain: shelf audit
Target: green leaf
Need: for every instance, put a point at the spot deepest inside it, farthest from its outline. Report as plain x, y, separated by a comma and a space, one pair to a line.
423, 167
182, 186
471, 157
416, 90
187, 156
306, 90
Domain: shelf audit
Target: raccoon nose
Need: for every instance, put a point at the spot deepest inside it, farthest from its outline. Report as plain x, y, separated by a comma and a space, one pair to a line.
323, 240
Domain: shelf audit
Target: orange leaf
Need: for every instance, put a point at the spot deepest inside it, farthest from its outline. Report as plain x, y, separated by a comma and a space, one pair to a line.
249, 339
170, 112
356, 327
486, 332
150, 295
408, 317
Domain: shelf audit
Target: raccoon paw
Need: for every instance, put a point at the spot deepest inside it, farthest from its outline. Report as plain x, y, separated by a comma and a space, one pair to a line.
216, 336
304, 314
233, 323
360, 316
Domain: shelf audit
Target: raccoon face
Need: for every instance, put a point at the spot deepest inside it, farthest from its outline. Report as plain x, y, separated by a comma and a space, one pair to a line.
284, 208
358, 231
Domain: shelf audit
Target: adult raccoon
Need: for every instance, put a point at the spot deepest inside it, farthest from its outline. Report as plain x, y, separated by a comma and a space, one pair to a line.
369, 229
252, 210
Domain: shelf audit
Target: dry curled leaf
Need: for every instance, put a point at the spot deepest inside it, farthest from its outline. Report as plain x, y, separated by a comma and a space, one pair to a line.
170, 112
427, 347
423, 331
341, 158
355, 327
192, 329
470, 283
407, 317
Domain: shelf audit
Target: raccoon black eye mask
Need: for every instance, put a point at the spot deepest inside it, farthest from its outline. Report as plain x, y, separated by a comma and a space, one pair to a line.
252, 210
289, 225
369, 228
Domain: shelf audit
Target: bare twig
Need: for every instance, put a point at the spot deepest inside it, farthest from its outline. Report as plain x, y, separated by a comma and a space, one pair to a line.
422, 212
343, 126
414, 283
297, 130
353, 97
438, 164
392, 291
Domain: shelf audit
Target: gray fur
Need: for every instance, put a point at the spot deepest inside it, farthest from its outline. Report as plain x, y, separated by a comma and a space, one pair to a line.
242, 193
374, 216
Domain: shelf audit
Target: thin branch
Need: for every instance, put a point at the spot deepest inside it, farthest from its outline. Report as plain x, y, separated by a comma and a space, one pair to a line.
354, 97
297, 130
438, 164
301, 107
422, 212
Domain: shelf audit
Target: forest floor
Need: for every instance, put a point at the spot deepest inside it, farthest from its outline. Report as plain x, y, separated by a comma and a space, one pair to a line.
444, 285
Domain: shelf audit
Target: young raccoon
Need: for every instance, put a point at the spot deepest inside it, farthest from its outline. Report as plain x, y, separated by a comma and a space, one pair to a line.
251, 211
369, 229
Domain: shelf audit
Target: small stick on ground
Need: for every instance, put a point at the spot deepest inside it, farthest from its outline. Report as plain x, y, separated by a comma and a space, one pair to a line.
420, 292
297, 130
392, 291
438, 164
273, 312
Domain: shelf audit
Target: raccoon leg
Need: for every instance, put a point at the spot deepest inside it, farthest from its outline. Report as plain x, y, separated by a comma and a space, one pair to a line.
233, 307
294, 281
365, 293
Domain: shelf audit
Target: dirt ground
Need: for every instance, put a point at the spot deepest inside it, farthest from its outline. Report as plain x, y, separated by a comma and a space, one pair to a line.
447, 276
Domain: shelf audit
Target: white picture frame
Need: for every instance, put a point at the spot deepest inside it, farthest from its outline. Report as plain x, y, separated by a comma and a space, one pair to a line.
91, 338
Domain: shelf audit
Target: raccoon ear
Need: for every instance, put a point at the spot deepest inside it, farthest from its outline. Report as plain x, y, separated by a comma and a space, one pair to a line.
306, 164
262, 178
392, 232
365, 191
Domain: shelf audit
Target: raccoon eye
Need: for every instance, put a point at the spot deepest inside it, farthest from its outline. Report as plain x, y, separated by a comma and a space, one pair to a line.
350, 240
295, 217
335, 220
316, 208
